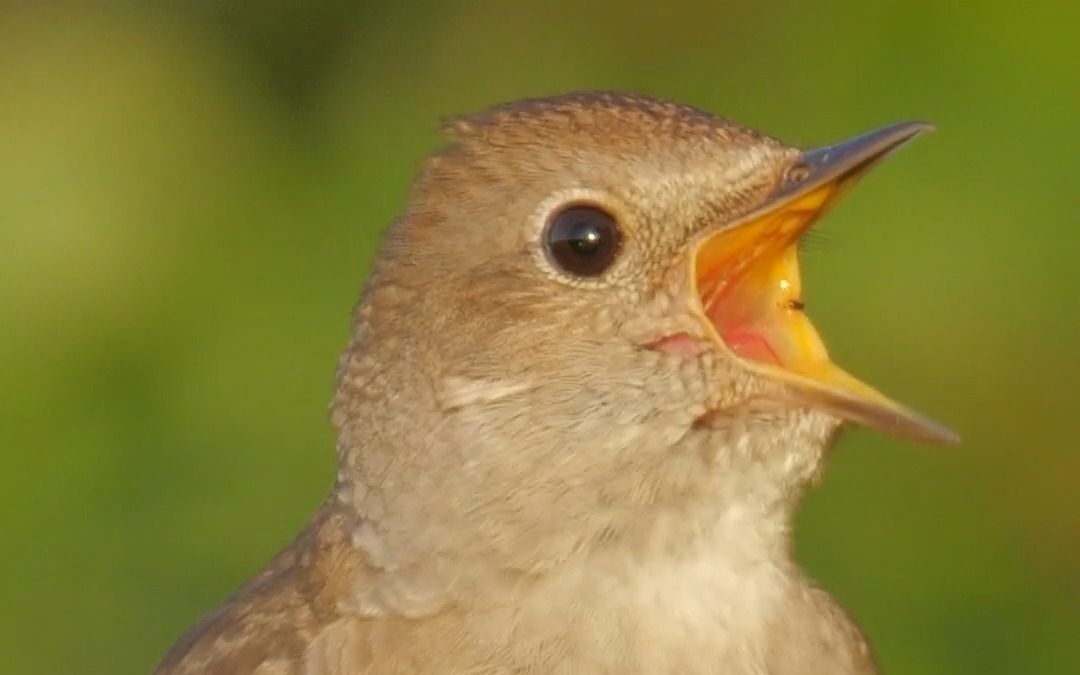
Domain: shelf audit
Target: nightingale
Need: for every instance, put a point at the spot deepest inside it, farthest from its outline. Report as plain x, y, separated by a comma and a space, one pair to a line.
579, 407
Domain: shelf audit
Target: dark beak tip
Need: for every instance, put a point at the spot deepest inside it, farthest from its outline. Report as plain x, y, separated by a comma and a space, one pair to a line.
917, 128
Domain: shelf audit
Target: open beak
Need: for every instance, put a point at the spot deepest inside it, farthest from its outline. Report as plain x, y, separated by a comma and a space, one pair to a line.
747, 279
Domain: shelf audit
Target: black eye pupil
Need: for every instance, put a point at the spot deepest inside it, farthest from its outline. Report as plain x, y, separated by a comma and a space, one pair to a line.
583, 240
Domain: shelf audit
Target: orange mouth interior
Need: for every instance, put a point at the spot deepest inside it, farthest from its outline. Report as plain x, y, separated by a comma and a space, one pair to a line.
750, 289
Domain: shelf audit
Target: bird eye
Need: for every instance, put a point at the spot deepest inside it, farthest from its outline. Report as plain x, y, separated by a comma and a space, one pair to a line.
583, 240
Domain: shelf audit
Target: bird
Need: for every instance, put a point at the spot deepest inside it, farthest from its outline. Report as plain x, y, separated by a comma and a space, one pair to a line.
579, 407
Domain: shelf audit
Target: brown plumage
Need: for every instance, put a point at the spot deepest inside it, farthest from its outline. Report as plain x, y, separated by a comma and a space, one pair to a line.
577, 414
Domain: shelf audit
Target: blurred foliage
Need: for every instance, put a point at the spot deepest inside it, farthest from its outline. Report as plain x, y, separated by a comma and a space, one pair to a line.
190, 192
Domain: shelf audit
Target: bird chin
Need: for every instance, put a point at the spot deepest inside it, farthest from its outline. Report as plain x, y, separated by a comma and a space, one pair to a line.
749, 296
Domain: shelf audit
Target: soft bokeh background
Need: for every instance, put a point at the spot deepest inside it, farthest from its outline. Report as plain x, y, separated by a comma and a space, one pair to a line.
189, 196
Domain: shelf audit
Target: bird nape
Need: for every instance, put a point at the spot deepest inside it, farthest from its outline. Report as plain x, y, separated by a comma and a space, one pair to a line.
579, 408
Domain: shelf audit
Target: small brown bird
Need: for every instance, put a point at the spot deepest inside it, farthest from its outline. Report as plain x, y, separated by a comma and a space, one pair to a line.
579, 408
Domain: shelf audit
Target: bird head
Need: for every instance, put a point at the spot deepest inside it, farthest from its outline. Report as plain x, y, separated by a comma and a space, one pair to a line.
590, 320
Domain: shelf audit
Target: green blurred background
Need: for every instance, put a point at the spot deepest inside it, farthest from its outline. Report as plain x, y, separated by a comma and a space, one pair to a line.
189, 197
